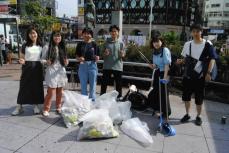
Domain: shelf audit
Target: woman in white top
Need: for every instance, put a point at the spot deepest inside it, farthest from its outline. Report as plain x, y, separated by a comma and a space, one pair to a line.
55, 56
31, 89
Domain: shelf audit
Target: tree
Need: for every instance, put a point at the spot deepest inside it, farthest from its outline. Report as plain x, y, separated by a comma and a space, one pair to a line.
173, 42
37, 15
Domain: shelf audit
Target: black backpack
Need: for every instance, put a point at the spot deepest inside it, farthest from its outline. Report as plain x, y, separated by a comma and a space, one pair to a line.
137, 99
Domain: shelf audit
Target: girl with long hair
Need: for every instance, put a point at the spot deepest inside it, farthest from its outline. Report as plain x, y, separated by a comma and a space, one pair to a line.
31, 89
55, 56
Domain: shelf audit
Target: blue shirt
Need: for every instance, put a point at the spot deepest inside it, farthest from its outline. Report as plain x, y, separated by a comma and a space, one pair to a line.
162, 60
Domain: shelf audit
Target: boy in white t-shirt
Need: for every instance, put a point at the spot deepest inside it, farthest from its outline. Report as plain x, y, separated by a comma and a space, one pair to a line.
196, 53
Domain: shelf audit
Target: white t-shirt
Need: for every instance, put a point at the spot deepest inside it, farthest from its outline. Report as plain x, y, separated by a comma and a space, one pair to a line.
3, 44
33, 53
196, 49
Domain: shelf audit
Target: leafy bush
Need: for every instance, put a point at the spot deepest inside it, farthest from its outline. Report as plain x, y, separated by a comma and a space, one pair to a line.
71, 52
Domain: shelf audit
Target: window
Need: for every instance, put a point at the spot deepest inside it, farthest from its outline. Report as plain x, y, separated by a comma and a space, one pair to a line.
226, 14
227, 4
215, 5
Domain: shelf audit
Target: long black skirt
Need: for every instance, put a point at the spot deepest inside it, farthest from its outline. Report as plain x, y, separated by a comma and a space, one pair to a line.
31, 89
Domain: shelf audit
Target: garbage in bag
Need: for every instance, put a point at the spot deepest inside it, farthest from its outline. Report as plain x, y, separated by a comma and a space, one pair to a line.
108, 101
74, 107
70, 116
137, 130
97, 124
109, 96
124, 110
118, 111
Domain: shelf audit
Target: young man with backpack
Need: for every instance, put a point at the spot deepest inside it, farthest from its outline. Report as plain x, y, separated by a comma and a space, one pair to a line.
199, 59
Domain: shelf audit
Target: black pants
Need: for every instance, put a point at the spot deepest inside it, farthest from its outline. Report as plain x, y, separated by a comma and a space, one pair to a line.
4, 54
107, 77
195, 86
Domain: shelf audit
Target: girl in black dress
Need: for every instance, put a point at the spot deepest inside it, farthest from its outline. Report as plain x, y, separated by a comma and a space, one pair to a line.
31, 89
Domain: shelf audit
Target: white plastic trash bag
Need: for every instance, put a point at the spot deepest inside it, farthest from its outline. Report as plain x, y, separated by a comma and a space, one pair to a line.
70, 116
74, 107
97, 124
124, 109
118, 111
110, 96
108, 101
137, 130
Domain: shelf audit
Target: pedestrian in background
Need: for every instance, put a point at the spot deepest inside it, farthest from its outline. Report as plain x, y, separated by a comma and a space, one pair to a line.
87, 53
31, 89
55, 56
113, 55
3, 42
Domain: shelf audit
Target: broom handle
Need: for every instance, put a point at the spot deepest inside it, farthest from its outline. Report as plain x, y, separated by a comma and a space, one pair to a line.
142, 55
153, 77
166, 101
160, 104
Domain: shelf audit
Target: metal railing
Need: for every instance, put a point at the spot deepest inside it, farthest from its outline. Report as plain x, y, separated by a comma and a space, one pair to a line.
147, 79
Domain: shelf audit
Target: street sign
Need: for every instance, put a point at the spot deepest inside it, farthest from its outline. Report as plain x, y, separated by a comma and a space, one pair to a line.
217, 31
4, 8
81, 11
56, 26
12, 2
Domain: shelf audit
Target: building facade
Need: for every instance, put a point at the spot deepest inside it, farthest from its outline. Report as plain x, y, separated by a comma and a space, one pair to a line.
217, 14
167, 15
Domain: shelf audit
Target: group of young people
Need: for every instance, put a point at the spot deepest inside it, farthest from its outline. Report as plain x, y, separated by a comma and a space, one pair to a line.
195, 52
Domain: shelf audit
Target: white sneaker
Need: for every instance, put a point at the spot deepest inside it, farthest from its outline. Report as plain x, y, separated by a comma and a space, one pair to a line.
36, 109
45, 113
18, 110
58, 111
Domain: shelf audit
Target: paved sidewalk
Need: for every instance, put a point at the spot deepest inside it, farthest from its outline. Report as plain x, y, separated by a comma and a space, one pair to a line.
30, 133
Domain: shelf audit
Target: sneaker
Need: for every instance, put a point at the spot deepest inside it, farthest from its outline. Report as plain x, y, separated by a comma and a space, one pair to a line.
185, 118
36, 109
198, 121
119, 99
58, 111
45, 113
18, 110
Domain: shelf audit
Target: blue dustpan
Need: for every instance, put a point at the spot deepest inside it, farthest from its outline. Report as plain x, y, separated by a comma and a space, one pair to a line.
164, 126
168, 129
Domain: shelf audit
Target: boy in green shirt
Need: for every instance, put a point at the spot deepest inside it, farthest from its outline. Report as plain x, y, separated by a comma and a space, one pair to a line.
112, 55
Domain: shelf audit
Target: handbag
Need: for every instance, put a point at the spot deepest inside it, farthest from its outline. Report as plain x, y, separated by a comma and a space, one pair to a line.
190, 63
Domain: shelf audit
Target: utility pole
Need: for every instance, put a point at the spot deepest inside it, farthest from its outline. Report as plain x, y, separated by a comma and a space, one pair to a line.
117, 16
150, 18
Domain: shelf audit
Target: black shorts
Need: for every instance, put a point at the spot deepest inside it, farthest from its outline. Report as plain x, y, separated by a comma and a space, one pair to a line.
195, 86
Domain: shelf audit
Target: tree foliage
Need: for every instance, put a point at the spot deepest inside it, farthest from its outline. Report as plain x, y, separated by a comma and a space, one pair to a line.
37, 15
173, 42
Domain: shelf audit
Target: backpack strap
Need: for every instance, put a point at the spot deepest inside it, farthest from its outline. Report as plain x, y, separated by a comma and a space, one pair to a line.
205, 52
121, 45
162, 52
95, 47
190, 49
